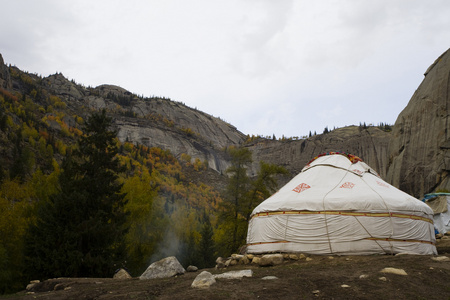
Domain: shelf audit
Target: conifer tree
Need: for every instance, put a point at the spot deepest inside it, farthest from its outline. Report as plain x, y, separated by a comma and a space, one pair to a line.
79, 232
206, 245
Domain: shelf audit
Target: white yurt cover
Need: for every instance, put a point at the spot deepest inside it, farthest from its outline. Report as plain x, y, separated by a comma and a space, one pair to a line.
339, 205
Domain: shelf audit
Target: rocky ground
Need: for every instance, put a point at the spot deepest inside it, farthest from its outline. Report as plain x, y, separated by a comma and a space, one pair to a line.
318, 277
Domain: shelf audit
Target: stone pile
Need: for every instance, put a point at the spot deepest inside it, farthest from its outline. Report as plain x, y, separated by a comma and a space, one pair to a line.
260, 260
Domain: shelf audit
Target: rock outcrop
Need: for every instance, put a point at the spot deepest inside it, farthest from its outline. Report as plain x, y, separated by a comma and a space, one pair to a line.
414, 156
154, 122
370, 144
5, 79
419, 157
59, 85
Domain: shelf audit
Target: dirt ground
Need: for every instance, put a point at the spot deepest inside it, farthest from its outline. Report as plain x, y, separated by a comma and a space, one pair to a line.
322, 277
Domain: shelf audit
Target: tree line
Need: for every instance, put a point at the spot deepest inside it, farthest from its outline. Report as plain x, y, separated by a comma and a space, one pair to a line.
110, 204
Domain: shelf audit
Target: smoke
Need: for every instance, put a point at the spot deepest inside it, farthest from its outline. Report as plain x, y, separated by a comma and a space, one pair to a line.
169, 246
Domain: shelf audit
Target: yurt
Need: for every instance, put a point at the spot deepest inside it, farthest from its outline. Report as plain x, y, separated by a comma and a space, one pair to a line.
339, 205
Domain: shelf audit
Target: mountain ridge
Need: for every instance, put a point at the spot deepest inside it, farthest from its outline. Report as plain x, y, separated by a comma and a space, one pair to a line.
187, 132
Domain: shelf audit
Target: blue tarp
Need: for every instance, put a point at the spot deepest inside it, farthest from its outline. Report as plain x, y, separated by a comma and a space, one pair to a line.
430, 196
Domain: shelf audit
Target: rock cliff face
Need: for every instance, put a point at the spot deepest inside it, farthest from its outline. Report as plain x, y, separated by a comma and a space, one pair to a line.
419, 157
371, 144
154, 122
414, 157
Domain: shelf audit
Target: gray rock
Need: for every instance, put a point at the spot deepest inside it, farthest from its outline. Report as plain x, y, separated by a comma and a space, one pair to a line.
371, 144
418, 151
203, 280
256, 260
62, 87
237, 257
394, 271
271, 260
270, 278
122, 274
440, 258
32, 284
228, 262
167, 267
234, 274
192, 269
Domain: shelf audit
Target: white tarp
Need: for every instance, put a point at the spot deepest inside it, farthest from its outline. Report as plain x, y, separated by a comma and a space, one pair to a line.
336, 206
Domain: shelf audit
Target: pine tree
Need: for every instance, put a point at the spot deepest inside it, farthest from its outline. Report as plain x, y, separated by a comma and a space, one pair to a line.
79, 231
206, 245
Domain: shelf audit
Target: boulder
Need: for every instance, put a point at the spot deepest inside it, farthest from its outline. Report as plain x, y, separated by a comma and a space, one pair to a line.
256, 260
192, 269
122, 274
167, 267
32, 284
237, 257
293, 257
228, 262
203, 280
245, 260
220, 260
271, 260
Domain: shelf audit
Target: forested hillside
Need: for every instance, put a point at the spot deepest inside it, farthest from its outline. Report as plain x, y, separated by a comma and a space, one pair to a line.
167, 205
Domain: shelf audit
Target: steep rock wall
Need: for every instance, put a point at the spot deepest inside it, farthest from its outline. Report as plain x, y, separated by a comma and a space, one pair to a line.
419, 157
154, 122
371, 144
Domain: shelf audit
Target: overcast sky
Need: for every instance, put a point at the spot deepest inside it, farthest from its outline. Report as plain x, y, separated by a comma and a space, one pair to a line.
280, 67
